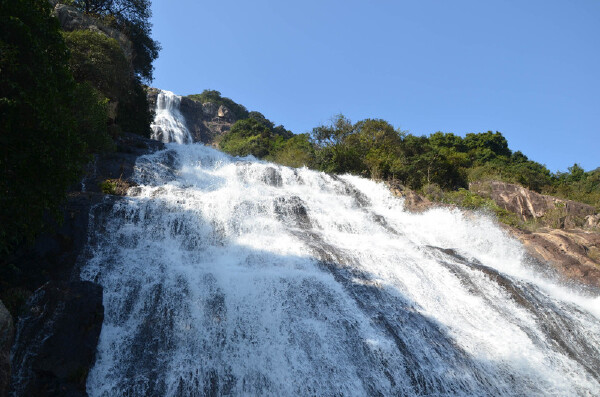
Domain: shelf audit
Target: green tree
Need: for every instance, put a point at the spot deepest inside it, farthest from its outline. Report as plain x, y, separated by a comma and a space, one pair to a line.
41, 153
132, 17
98, 59
297, 151
248, 137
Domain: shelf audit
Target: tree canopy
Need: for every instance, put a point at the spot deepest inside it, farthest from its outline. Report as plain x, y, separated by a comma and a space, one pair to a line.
41, 152
132, 17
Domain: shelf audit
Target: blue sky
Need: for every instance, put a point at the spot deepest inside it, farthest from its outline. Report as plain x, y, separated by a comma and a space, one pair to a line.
529, 68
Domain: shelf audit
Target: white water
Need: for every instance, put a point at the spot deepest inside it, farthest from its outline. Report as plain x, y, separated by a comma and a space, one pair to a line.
169, 124
227, 276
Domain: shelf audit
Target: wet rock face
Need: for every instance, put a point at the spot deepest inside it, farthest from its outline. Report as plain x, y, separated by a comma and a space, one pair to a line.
7, 332
56, 339
272, 177
531, 205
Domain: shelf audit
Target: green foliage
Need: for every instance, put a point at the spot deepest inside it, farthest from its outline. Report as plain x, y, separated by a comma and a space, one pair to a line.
486, 146
41, 152
98, 59
577, 185
90, 113
134, 113
297, 151
132, 17
239, 111
108, 186
248, 137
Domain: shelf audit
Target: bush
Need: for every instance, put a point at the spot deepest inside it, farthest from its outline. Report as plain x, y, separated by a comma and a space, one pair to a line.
297, 151
248, 137
99, 60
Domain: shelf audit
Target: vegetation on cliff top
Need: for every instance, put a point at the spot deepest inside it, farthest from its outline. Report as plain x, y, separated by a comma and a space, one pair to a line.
373, 148
239, 111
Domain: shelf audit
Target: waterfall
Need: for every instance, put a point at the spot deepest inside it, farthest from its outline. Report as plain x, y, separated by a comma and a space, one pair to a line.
229, 276
233, 276
169, 124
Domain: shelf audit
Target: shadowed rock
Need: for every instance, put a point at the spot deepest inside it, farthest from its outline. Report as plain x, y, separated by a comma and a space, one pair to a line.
56, 339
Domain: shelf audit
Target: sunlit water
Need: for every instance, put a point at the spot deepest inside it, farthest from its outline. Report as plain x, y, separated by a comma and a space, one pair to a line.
228, 276
169, 124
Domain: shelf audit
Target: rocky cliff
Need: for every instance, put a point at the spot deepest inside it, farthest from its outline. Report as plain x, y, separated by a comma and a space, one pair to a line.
205, 121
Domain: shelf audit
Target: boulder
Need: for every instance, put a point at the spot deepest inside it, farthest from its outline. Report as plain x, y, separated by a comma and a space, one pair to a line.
7, 333
56, 340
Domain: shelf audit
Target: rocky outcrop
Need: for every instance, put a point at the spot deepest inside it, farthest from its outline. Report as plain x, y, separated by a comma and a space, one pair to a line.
56, 340
574, 253
7, 333
529, 205
71, 19
205, 121
413, 202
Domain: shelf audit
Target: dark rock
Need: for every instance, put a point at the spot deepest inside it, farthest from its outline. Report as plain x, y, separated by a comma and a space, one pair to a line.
7, 333
292, 210
206, 121
119, 165
54, 256
272, 177
56, 339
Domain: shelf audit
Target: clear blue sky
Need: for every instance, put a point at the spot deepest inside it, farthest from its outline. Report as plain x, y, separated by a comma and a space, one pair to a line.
527, 68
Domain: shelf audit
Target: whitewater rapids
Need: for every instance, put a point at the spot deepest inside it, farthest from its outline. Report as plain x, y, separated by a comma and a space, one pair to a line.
229, 276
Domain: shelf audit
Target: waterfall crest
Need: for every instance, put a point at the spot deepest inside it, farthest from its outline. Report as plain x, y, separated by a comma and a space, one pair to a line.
169, 124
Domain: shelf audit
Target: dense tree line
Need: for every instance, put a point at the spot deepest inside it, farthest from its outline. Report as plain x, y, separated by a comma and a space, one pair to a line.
62, 95
375, 149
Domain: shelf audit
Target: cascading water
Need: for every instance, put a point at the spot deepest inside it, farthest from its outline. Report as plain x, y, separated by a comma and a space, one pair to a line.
228, 276
169, 124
